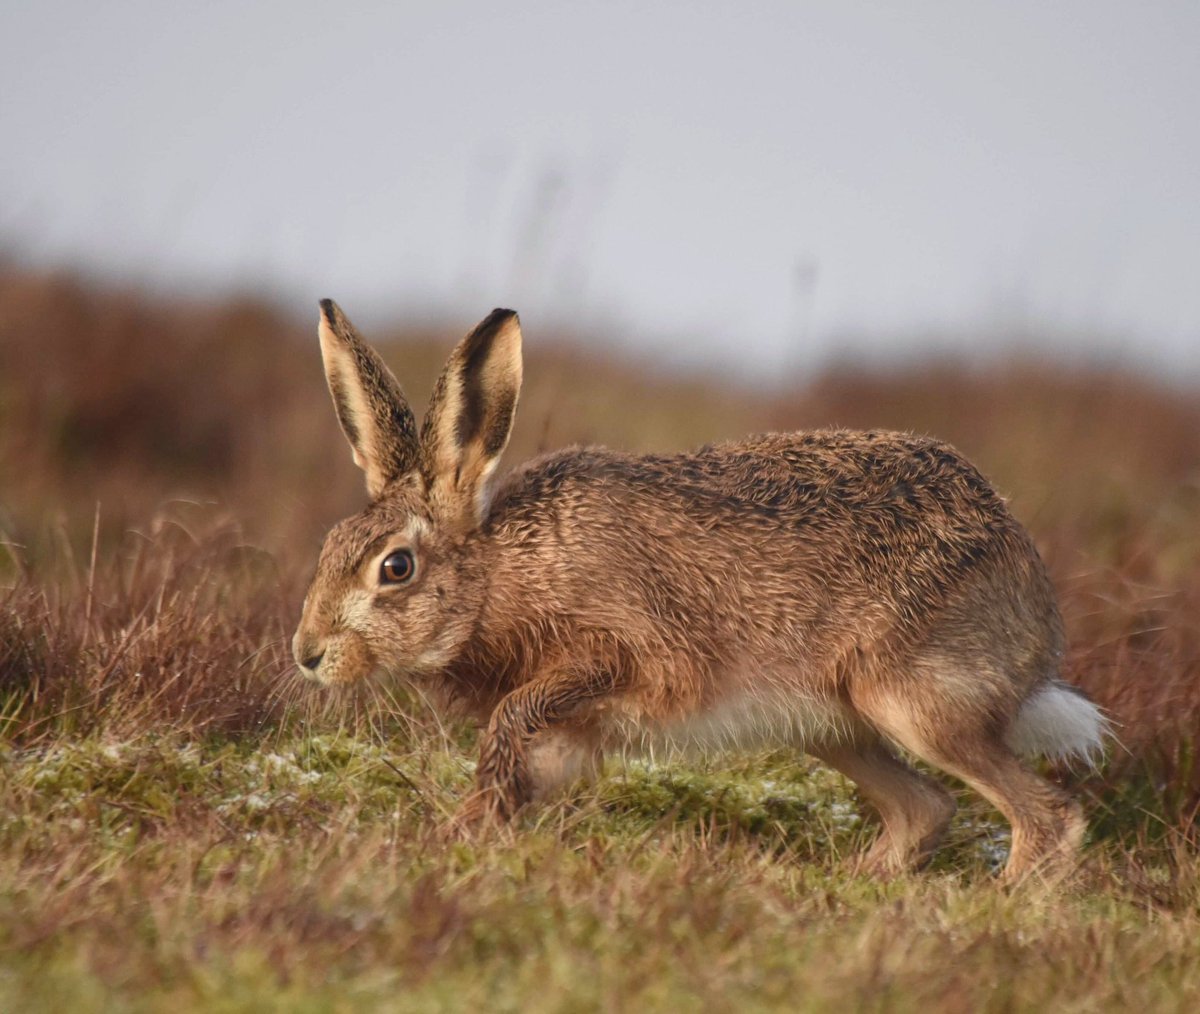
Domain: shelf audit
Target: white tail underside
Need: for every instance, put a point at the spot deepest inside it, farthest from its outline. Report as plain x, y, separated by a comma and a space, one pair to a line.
1060, 723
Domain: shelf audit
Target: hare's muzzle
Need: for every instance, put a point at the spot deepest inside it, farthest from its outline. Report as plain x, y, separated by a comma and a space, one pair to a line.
308, 655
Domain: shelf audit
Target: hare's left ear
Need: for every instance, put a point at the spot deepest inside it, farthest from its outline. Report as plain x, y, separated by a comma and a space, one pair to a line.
470, 417
370, 405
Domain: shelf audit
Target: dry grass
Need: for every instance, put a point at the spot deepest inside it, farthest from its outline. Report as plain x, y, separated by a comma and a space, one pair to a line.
181, 826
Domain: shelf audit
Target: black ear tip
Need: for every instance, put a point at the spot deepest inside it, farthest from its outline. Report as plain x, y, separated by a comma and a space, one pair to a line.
329, 310
500, 315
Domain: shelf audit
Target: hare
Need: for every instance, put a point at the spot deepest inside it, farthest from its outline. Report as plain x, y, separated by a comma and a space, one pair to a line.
855, 594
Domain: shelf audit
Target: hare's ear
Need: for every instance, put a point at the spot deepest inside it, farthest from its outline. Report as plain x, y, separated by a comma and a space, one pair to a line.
370, 405
470, 417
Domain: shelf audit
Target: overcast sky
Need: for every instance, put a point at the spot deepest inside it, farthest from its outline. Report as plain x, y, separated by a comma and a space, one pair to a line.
745, 183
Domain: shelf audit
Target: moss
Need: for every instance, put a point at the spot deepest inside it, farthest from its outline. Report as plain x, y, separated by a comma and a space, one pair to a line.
300, 873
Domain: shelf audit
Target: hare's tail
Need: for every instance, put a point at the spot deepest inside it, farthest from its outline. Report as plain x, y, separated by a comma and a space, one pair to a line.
1059, 721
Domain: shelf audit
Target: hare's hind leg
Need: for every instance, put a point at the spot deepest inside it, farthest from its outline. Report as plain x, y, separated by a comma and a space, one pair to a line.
965, 741
1047, 825
914, 810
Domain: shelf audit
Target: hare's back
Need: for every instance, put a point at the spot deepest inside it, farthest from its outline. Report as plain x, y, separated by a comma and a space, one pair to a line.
872, 482
889, 517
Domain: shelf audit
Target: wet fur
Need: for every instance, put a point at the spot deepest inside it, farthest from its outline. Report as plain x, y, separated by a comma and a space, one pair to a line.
844, 592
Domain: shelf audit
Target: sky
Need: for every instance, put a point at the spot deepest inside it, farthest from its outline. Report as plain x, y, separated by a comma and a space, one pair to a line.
756, 186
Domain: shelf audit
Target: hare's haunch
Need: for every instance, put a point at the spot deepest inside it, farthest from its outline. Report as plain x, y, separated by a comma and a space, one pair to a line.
847, 593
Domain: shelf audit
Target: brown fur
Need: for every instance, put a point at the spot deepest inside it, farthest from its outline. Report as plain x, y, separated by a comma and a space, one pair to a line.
848, 592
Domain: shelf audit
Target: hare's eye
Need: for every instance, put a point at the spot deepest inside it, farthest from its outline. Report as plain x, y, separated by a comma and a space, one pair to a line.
397, 567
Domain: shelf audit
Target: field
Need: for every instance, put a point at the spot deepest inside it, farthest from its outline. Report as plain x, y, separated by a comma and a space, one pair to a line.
184, 826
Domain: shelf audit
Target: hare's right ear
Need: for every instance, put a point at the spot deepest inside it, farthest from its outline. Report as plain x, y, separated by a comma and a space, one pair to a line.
370, 405
470, 417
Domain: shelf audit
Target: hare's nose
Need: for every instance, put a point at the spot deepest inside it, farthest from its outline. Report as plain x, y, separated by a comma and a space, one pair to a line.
307, 654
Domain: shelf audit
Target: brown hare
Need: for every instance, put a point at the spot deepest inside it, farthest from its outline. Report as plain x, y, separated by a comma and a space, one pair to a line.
850, 593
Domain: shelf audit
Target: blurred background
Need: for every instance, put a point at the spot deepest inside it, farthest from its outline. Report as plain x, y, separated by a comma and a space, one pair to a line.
974, 220
760, 188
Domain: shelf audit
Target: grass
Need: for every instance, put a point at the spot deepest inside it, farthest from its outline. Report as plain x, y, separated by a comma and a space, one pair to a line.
184, 827
307, 874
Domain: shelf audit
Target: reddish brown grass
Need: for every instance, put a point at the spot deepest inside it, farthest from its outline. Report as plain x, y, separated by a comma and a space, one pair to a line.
201, 438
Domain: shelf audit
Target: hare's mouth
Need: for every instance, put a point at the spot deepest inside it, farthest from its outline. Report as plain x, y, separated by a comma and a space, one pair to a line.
321, 676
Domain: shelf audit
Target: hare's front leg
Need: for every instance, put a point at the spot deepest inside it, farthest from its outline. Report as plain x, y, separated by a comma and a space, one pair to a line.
503, 782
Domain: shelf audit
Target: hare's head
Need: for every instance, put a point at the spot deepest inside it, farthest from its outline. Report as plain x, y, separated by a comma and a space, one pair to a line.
398, 587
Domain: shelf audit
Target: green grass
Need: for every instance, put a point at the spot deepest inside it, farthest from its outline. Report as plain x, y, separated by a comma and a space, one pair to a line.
312, 872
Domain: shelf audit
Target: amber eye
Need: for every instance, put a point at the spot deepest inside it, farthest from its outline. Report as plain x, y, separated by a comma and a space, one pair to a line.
397, 567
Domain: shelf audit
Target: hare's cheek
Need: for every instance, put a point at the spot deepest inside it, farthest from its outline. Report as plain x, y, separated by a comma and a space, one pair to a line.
356, 612
410, 622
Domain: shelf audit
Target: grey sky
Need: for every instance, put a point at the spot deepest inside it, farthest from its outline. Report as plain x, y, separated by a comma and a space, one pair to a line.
753, 176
